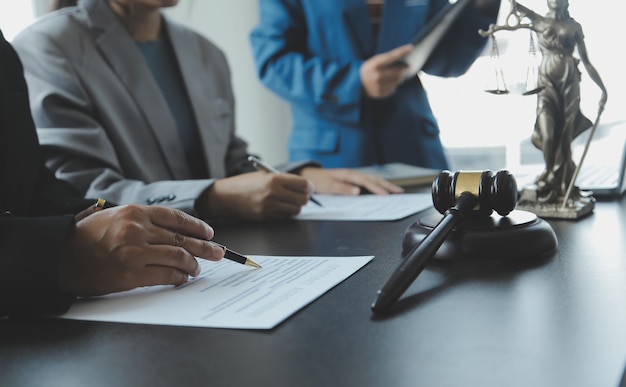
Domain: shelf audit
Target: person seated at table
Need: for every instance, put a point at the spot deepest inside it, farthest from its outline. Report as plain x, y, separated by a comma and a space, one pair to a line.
135, 108
56, 245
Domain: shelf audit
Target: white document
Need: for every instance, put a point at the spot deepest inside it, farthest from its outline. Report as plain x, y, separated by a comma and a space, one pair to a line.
366, 207
226, 294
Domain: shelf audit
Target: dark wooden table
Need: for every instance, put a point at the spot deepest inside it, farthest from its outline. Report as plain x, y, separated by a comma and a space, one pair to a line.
559, 321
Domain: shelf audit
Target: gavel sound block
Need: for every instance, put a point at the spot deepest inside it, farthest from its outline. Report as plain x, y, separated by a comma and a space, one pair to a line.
507, 234
468, 229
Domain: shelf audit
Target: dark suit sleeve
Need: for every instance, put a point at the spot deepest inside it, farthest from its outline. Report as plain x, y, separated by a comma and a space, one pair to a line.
36, 210
32, 240
30, 248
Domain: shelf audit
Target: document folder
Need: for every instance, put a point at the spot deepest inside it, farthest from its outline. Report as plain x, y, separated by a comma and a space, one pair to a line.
427, 40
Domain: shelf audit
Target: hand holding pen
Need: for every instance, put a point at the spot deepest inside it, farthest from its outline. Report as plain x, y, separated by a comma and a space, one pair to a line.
124, 247
263, 166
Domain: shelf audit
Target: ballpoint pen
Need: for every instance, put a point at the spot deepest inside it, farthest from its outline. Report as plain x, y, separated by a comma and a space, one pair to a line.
263, 166
236, 257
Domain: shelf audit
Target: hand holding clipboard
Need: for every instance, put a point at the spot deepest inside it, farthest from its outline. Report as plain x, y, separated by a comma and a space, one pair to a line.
383, 73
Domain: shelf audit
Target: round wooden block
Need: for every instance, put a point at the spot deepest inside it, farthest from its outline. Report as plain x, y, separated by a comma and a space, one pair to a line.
519, 235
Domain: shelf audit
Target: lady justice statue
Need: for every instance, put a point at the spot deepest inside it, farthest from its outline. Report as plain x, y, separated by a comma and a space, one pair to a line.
559, 118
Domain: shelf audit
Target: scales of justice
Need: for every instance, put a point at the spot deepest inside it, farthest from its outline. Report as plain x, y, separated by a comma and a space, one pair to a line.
468, 230
559, 120
517, 231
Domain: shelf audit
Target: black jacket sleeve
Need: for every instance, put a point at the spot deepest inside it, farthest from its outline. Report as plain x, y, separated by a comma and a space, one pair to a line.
36, 209
30, 248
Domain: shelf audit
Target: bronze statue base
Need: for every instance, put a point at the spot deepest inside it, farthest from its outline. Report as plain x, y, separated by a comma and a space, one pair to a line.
575, 209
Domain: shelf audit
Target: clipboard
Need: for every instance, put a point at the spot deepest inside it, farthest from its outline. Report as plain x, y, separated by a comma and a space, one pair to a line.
427, 40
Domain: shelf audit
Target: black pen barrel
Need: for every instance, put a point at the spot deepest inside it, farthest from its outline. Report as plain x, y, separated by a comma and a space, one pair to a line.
233, 256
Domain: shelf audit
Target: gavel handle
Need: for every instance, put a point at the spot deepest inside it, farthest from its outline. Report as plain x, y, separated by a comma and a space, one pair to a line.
419, 256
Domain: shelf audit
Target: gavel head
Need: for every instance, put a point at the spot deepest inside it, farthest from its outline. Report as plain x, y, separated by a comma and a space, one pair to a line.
495, 192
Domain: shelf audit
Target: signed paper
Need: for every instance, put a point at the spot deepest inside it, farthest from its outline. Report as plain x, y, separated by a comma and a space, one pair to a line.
366, 207
226, 294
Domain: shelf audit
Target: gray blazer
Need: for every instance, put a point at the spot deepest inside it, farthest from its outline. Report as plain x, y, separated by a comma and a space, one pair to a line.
102, 119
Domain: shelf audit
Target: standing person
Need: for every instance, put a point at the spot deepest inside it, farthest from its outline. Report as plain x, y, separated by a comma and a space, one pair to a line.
559, 118
135, 108
55, 245
329, 59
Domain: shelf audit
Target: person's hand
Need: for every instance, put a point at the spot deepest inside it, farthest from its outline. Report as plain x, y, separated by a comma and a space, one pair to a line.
125, 247
378, 77
344, 181
259, 195
602, 103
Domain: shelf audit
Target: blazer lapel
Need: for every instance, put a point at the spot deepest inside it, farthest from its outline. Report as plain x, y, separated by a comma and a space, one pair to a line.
359, 26
119, 50
204, 98
401, 21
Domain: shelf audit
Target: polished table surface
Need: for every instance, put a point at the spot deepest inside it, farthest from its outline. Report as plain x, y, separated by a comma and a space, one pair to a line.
557, 321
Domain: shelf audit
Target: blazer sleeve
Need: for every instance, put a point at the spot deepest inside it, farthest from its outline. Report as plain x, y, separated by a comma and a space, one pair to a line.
279, 45
77, 146
35, 209
35, 225
30, 248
